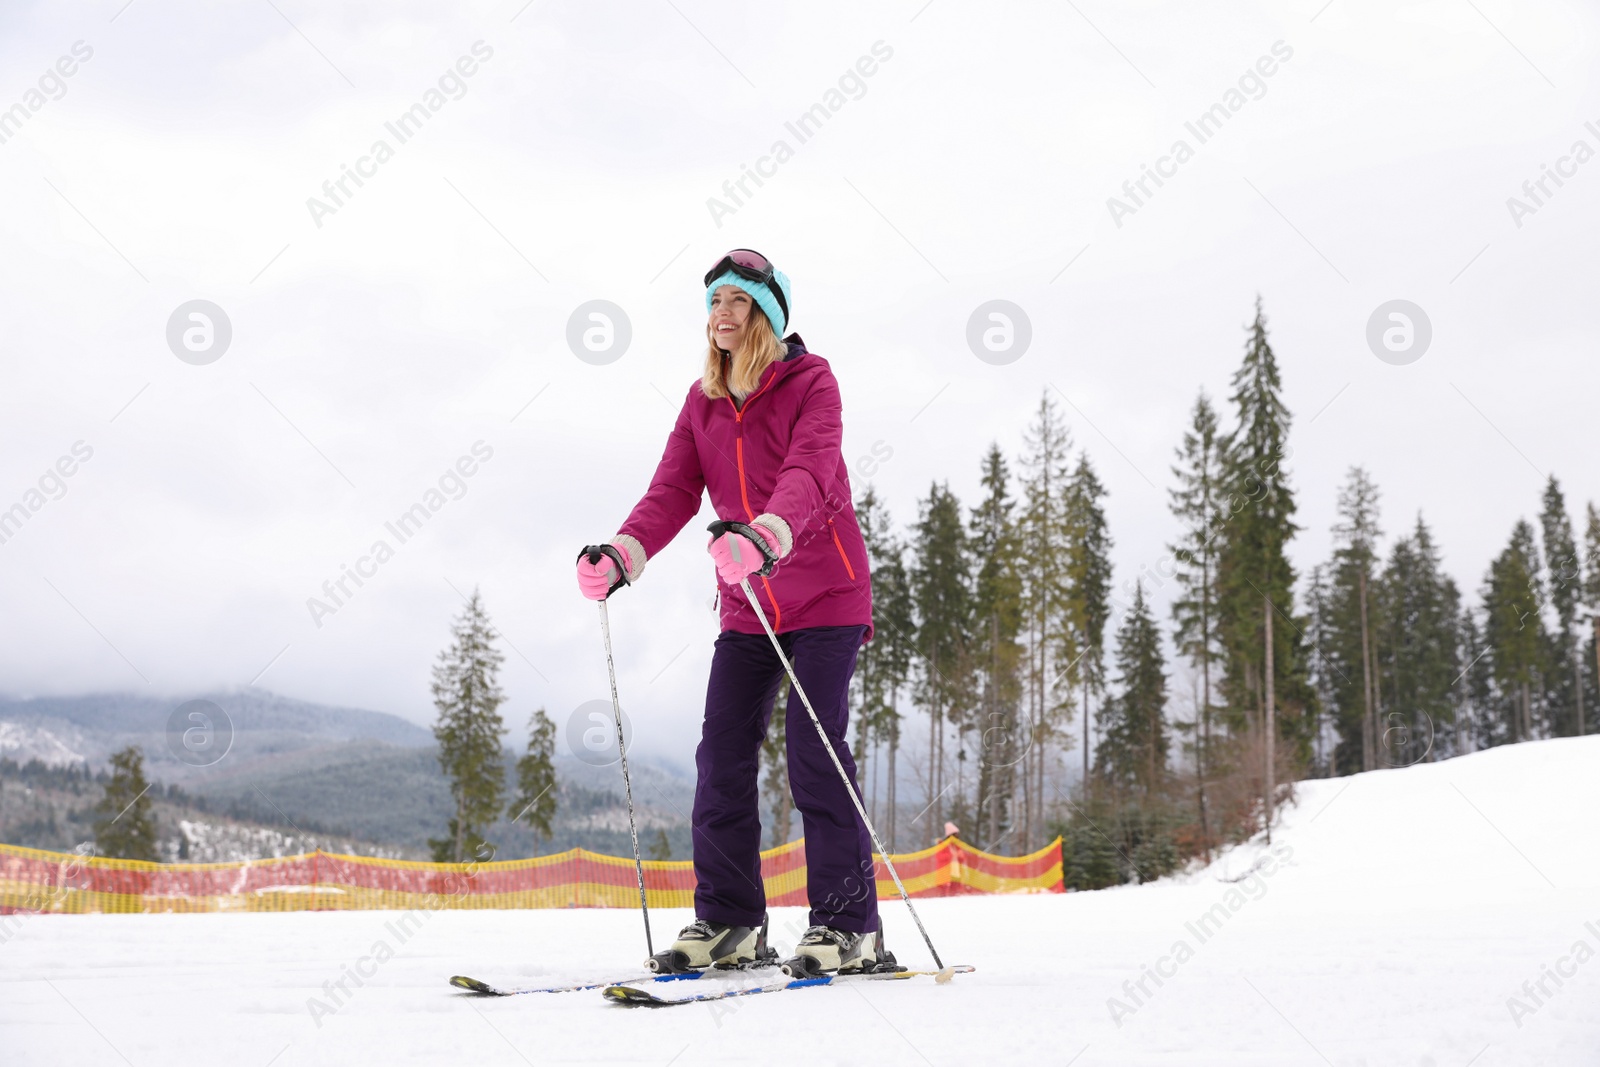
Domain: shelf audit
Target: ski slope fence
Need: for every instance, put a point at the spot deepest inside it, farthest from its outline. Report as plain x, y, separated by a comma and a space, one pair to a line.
34, 881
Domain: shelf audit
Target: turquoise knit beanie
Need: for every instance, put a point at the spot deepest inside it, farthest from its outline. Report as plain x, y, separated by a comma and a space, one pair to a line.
760, 294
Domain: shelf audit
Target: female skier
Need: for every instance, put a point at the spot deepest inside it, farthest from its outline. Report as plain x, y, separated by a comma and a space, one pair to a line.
760, 430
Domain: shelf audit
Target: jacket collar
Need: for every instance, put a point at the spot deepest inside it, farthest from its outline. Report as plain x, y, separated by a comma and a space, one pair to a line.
779, 368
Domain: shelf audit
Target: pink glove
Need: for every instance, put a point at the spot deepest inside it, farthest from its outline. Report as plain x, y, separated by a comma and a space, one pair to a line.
596, 579
737, 557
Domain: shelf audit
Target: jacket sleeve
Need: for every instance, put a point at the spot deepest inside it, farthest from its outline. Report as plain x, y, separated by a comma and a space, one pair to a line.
674, 494
808, 476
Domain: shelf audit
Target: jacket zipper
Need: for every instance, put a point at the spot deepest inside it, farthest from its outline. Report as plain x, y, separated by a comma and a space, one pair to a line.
744, 495
851, 571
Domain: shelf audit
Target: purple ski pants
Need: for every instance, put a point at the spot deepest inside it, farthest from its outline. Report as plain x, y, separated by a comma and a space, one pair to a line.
745, 674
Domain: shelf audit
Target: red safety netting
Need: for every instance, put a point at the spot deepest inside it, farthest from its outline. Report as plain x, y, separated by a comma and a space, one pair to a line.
38, 881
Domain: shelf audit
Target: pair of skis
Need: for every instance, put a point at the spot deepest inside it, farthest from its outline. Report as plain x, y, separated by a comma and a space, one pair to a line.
473, 985
627, 991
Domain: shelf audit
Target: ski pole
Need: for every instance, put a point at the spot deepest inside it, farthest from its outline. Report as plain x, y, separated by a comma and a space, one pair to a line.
717, 529
595, 553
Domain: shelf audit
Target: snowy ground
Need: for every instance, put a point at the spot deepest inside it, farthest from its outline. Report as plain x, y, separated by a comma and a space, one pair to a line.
1400, 913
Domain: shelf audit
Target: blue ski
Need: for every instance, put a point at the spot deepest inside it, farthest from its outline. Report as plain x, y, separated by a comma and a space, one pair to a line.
630, 995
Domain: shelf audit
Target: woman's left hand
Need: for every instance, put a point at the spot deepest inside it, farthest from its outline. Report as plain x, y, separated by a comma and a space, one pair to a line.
737, 557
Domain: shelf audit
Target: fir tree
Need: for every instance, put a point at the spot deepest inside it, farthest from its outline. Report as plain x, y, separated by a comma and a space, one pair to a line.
885, 662
1088, 574
1591, 604
1475, 687
1133, 750
1253, 564
1356, 691
1320, 667
941, 590
1197, 504
1514, 632
1563, 579
660, 848
1417, 650
997, 615
1042, 531
469, 731
126, 827
536, 777
1089, 854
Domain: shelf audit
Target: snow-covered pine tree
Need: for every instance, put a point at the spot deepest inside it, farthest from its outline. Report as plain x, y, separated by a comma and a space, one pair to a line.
469, 730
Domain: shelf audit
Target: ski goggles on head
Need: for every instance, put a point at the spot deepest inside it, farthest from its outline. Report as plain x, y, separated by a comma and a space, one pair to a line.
752, 266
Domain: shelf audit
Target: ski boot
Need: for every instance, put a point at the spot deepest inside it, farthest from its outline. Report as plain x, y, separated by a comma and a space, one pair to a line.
823, 950
704, 943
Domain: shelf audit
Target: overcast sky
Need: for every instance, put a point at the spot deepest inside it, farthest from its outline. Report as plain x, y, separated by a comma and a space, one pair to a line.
377, 338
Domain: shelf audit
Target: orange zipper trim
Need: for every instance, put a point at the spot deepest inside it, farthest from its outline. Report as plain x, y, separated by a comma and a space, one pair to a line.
738, 451
851, 571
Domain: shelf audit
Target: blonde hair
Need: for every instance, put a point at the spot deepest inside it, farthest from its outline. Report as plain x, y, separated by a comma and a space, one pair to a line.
760, 350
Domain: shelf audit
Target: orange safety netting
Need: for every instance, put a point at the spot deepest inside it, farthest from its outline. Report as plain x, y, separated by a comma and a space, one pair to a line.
36, 881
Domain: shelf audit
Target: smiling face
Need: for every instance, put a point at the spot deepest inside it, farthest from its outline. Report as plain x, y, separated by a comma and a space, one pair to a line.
730, 314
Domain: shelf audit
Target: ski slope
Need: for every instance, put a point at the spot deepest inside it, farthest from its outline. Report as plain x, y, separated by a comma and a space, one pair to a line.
1391, 922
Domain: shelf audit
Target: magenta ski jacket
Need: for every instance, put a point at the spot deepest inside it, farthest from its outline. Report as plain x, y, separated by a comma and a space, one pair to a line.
779, 453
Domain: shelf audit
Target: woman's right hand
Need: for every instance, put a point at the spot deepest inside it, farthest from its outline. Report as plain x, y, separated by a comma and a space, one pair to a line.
596, 580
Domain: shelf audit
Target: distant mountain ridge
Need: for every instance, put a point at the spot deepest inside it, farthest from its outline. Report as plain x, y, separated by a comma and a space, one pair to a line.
103, 722
312, 768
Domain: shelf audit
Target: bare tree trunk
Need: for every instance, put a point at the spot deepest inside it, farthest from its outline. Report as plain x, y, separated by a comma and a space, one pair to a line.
1271, 726
894, 745
1021, 782
1202, 761
937, 823
1369, 753
461, 828
1596, 651
1577, 683
987, 791
1597, 648
1038, 746
876, 762
933, 743
1035, 740
1085, 736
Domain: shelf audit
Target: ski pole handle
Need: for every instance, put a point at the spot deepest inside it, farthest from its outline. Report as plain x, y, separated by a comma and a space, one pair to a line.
769, 556
596, 553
